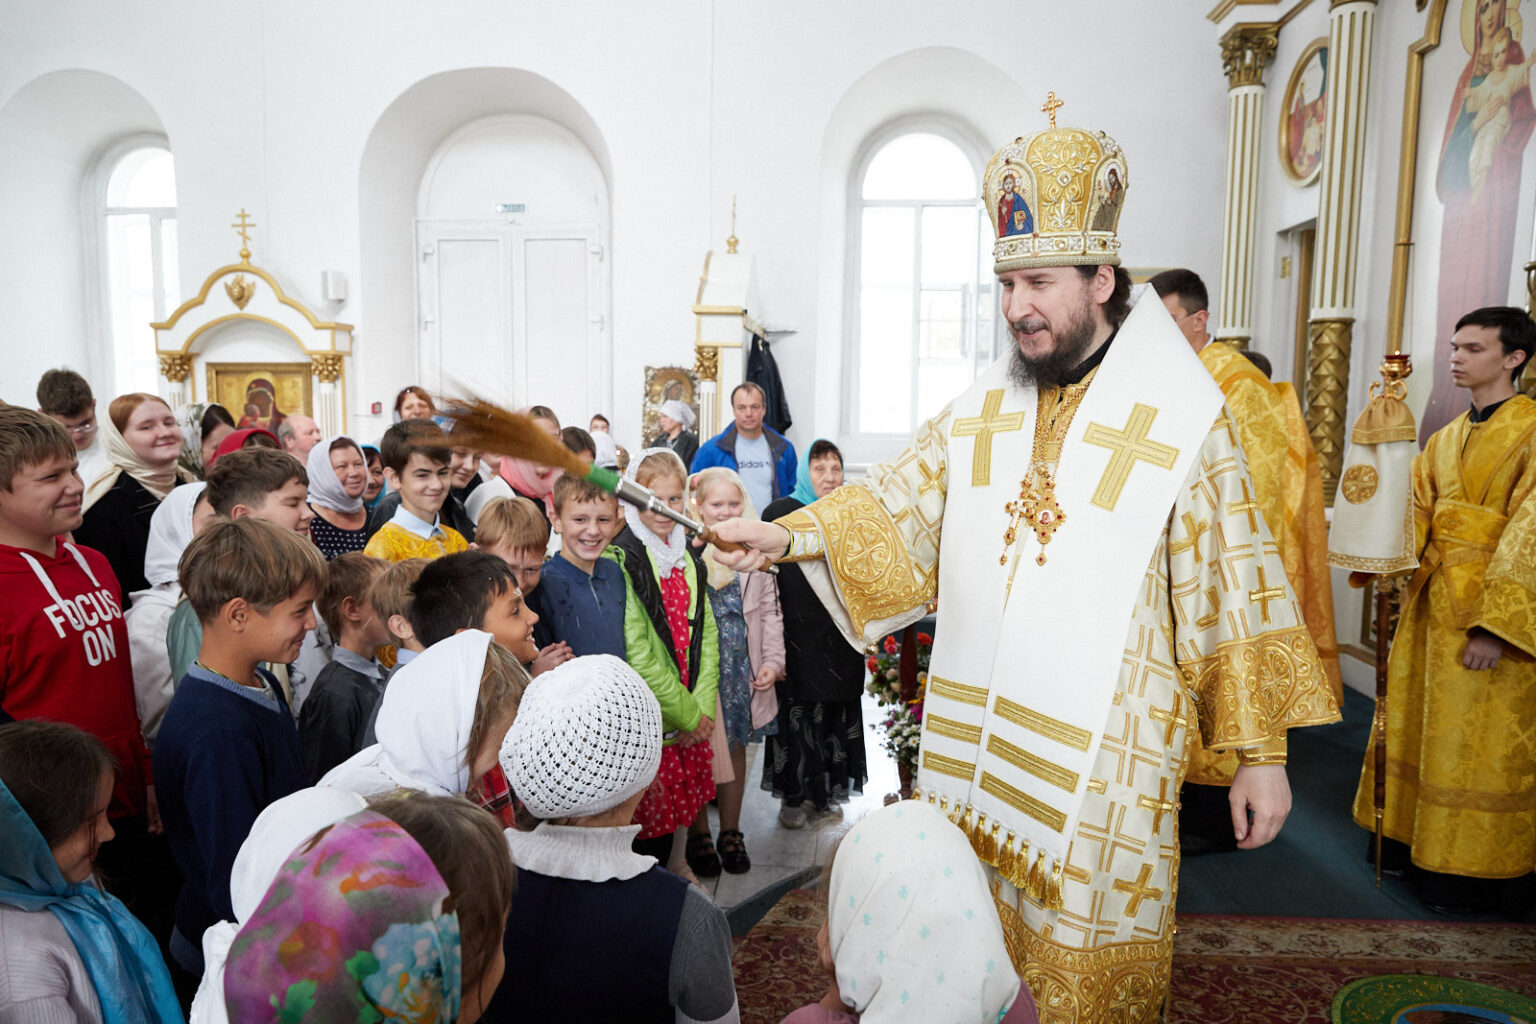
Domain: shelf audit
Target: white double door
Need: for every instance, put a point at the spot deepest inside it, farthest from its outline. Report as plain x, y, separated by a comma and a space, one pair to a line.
515, 314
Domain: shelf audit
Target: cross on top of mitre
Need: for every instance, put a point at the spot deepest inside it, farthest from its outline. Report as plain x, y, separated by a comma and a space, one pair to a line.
1051, 105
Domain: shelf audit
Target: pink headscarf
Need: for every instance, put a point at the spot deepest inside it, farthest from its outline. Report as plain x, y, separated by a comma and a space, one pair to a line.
525, 478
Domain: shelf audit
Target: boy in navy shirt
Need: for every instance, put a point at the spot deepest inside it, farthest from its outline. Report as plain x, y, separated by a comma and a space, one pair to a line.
228, 746
582, 594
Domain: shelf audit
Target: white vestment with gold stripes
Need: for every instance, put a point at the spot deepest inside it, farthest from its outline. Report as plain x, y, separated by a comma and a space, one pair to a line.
1054, 735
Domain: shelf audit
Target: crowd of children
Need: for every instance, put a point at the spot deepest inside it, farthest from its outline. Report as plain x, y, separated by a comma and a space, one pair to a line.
334, 685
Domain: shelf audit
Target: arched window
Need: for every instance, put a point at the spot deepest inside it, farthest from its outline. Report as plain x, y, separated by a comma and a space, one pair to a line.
139, 259
924, 318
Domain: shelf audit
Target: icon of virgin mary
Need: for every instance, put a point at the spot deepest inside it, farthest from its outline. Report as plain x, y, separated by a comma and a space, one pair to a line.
261, 406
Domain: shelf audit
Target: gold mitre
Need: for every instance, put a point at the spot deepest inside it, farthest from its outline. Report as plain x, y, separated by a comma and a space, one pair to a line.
1054, 198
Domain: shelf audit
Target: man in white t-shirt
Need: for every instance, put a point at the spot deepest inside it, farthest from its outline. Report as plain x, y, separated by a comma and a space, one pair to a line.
764, 457
64, 396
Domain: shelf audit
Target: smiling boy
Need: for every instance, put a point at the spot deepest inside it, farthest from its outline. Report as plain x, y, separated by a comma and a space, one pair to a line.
63, 642
228, 745
417, 462
581, 593
261, 483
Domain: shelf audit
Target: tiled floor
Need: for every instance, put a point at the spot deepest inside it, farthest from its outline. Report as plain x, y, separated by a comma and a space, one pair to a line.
779, 853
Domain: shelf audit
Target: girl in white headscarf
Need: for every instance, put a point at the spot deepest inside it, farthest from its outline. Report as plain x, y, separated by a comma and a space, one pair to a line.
275, 835
172, 527
338, 476
677, 422
142, 443
441, 721
911, 932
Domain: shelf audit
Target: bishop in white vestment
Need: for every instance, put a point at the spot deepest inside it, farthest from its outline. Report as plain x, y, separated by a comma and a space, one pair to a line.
1105, 583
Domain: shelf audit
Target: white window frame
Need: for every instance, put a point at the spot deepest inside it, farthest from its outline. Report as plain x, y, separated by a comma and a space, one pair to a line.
95, 212
868, 446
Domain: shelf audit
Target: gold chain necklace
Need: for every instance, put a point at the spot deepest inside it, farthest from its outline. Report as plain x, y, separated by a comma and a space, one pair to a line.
1036, 505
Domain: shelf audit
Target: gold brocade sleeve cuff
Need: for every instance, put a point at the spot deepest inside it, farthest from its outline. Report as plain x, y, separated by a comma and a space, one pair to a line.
875, 576
1271, 751
804, 537
1251, 691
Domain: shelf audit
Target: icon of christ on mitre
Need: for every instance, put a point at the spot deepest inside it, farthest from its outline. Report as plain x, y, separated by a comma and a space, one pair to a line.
1105, 584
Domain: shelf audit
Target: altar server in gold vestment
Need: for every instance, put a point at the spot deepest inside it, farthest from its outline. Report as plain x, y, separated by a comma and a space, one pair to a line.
1288, 485
1105, 583
1461, 687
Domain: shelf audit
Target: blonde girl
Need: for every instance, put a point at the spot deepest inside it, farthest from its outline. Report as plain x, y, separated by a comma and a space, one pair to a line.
751, 642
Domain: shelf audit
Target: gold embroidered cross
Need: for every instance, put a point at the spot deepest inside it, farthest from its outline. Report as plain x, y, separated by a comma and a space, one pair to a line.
1139, 890
1210, 619
1171, 719
933, 480
1264, 595
1051, 105
1129, 446
1193, 530
1247, 505
982, 428
1159, 805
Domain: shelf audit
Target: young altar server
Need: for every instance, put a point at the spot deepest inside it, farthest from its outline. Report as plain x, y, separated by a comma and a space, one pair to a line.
1461, 688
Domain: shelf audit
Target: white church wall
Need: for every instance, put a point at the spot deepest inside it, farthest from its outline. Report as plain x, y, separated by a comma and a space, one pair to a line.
320, 120
52, 135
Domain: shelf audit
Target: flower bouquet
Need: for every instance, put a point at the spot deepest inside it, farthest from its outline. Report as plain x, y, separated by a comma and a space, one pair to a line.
902, 721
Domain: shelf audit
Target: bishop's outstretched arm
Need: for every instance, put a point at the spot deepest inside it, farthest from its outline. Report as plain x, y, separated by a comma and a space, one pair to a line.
871, 550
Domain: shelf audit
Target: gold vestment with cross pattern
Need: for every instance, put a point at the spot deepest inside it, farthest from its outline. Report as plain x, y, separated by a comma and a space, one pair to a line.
1199, 654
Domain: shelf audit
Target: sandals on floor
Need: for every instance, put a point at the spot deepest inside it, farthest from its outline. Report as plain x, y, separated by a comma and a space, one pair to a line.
701, 856
733, 852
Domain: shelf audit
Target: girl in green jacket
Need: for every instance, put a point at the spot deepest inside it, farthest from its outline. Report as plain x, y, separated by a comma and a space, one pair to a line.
670, 641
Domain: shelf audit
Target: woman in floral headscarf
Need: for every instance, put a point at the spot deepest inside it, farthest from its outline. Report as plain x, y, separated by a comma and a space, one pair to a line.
395, 913
204, 427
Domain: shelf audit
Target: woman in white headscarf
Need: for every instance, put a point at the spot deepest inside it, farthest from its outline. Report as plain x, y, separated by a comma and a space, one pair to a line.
441, 720
276, 834
172, 527
677, 422
911, 932
338, 476
142, 443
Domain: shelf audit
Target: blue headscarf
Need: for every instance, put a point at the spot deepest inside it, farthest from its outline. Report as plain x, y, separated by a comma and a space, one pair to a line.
131, 982
804, 492
371, 505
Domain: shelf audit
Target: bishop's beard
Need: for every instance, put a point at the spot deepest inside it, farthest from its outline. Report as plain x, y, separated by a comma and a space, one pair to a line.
1055, 368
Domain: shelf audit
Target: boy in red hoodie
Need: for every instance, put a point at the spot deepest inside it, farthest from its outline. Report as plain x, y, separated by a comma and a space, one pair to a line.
63, 643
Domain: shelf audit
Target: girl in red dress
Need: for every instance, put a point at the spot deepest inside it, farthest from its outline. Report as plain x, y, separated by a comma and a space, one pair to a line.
670, 641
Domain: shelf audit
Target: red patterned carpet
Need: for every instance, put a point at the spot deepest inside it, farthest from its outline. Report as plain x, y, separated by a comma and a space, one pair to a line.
1226, 970
1256, 970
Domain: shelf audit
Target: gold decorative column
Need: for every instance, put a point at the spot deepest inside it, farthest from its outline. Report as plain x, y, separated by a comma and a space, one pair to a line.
176, 368
1246, 51
1331, 322
327, 368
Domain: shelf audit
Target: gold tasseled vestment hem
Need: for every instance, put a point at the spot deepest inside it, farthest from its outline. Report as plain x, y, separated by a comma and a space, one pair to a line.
1461, 745
1120, 981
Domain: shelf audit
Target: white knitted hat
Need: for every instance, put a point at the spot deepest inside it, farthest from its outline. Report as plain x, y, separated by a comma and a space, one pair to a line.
587, 737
